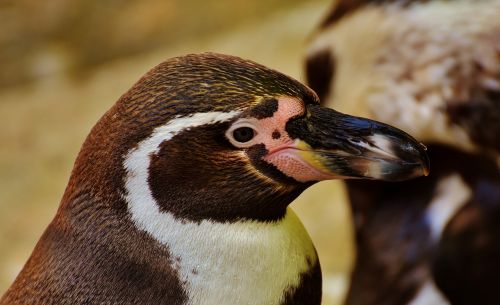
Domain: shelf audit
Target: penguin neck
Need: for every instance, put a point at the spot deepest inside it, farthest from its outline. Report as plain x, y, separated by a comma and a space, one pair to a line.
208, 205
227, 263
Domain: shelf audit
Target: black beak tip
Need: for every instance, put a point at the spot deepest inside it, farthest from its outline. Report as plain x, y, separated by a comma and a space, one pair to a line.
415, 156
426, 164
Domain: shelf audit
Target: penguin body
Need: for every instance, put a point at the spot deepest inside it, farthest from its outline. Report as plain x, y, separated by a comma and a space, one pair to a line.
180, 192
431, 68
213, 275
428, 241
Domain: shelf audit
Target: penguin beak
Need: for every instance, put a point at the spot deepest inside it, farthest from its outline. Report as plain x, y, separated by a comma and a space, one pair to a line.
344, 146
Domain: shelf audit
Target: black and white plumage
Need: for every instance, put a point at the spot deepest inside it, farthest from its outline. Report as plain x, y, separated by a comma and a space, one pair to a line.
431, 68
180, 192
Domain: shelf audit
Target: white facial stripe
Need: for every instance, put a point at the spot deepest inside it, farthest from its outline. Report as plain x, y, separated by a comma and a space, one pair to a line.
218, 263
137, 161
429, 294
451, 194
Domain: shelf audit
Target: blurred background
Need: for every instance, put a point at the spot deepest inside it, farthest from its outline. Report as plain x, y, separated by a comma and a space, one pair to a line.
64, 63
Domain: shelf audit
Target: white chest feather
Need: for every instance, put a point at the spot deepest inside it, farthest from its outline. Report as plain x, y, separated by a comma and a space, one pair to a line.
246, 262
451, 195
429, 294
239, 263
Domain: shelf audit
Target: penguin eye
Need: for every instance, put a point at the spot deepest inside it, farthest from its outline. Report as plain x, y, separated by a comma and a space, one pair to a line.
243, 134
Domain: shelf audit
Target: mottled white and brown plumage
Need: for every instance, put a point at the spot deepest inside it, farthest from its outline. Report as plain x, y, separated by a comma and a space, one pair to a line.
180, 192
431, 68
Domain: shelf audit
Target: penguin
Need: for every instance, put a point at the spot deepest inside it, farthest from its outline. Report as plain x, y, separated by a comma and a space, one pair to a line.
431, 68
180, 192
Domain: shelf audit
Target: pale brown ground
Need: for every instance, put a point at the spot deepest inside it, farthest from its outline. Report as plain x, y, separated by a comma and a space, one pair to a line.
43, 125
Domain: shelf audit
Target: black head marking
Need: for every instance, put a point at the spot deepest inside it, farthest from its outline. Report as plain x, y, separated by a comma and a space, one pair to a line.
276, 135
265, 109
339, 10
343, 8
320, 71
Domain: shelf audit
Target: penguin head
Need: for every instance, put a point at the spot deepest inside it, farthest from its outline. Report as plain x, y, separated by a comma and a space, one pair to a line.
217, 137
431, 68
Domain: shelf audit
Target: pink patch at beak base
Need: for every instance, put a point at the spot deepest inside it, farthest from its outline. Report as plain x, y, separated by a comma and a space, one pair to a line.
290, 161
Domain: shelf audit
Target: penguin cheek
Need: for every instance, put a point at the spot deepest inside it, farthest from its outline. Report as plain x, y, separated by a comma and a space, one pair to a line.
290, 162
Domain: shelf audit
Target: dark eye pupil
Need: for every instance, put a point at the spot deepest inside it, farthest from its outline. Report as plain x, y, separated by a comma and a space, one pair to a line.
243, 134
